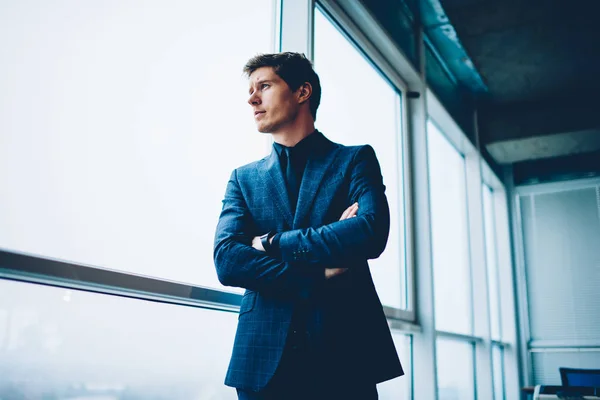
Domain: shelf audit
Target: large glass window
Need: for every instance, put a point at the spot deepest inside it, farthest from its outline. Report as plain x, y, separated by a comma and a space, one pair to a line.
455, 370
450, 241
58, 343
492, 260
399, 388
121, 123
359, 106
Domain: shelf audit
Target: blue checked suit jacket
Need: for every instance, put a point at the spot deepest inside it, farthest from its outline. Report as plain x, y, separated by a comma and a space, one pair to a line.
348, 308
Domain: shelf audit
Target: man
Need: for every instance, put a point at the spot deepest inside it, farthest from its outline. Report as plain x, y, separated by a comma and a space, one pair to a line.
296, 230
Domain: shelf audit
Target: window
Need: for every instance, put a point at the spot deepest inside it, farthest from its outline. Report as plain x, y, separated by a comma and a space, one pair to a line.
498, 371
399, 388
455, 370
492, 264
359, 106
59, 343
117, 129
450, 248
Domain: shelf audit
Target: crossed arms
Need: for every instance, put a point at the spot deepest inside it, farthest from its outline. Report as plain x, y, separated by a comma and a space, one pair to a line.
305, 256
330, 272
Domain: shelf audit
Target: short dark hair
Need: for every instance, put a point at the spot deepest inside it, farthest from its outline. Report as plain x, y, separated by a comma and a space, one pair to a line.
294, 68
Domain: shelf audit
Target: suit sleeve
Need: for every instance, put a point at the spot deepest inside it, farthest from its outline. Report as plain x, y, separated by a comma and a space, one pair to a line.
239, 264
363, 237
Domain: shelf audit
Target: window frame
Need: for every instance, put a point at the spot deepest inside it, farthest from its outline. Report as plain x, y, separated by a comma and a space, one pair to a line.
493, 198
463, 339
470, 283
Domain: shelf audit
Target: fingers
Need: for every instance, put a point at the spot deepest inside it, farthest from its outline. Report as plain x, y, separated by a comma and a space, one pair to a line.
349, 212
345, 213
332, 272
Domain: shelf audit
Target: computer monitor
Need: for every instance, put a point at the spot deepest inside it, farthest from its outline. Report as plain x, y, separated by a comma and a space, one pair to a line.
580, 377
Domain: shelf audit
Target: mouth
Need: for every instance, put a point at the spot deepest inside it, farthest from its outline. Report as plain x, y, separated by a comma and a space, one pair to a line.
257, 114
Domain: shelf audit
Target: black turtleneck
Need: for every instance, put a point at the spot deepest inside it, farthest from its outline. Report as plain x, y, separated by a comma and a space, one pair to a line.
300, 155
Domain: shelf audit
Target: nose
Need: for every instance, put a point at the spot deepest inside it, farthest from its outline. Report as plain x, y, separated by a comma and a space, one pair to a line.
254, 99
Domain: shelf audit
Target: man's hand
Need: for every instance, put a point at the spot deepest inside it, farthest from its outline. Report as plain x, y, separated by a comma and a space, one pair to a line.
257, 243
350, 212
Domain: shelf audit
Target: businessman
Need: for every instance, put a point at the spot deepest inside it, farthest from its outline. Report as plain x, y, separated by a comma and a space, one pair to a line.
296, 230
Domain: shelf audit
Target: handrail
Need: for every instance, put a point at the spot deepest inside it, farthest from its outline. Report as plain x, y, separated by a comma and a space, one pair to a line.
24, 267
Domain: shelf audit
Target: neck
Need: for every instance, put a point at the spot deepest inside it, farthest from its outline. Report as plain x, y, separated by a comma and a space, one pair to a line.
291, 136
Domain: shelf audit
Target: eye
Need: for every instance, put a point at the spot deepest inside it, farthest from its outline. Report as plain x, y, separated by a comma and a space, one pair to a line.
264, 86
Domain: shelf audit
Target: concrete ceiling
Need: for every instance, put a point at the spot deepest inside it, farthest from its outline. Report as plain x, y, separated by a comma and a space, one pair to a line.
540, 60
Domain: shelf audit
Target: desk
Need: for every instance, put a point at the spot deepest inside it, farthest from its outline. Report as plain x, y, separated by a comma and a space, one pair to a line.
557, 392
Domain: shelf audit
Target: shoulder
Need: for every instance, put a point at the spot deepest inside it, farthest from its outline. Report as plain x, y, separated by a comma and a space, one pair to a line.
346, 150
248, 170
350, 149
358, 151
251, 166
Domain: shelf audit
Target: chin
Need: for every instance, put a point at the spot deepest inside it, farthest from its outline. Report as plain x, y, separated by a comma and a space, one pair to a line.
264, 128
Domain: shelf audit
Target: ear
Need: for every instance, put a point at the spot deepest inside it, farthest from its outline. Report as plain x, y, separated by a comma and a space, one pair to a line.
304, 92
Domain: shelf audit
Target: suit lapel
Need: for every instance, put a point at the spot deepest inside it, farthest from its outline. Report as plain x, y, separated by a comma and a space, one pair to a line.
272, 176
316, 170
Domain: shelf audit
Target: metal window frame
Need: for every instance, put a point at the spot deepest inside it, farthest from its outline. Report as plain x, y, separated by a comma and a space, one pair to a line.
475, 343
490, 178
480, 279
494, 196
453, 143
502, 348
459, 337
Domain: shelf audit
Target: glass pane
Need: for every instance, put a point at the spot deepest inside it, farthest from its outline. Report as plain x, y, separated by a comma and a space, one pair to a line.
399, 388
121, 123
344, 116
455, 370
67, 344
452, 278
492, 264
498, 371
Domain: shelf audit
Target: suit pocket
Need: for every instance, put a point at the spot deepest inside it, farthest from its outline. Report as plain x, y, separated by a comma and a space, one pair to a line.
247, 303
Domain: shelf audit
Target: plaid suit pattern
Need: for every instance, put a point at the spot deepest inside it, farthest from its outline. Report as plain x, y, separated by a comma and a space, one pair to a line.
256, 202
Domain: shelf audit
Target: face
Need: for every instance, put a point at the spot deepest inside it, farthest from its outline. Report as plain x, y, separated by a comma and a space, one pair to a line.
274, 105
